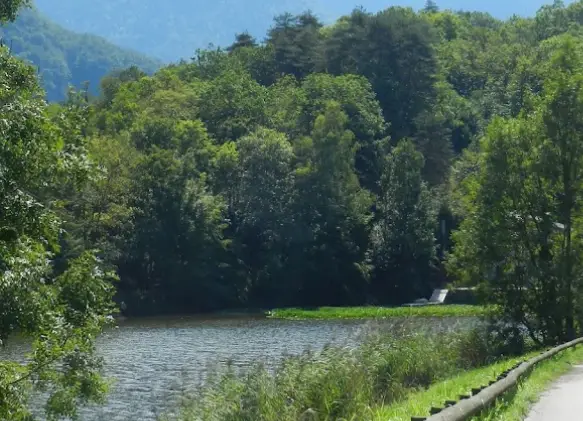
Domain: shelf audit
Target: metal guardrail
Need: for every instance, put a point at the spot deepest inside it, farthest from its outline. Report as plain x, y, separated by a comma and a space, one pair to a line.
483, 397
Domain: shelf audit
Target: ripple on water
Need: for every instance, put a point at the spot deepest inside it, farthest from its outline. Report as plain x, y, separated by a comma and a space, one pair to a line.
153, 360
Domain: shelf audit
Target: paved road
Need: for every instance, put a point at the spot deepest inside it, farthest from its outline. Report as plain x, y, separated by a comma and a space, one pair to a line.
563, 401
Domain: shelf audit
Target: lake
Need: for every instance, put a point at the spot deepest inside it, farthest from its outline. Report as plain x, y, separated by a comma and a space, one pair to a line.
154, 359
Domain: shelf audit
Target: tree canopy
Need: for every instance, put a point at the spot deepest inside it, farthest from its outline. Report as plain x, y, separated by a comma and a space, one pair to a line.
59, 309
325, 165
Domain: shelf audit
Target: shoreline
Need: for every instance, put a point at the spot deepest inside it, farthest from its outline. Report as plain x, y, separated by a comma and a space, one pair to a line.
328, 313
323, 313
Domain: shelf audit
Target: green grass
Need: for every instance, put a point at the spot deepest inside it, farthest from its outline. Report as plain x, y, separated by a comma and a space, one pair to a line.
341, 383
378, 312
516, 406
391, 376
513, 407
419, 404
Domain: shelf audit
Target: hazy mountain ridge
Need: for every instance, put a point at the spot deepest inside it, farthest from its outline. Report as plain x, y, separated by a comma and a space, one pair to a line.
65, 57
181, 26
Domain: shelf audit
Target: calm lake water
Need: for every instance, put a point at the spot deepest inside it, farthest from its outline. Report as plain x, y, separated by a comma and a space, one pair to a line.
153, 360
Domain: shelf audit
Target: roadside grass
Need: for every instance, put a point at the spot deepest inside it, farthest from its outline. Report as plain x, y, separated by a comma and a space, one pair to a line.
454, 310
515, 407
419, 403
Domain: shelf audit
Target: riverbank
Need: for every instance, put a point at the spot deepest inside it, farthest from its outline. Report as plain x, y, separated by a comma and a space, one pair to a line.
452, 310
513, 407
346, 383
420, 403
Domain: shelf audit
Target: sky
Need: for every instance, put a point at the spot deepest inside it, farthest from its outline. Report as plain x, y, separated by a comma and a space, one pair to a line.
177, 28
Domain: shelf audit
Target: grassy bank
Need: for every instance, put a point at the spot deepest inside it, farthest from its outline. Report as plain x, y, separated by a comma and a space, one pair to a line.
419, 404
339, 383
515, 407
378, 312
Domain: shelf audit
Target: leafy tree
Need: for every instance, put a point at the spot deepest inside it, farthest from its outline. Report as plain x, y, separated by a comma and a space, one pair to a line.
153, 132
233, 105
403, 244
111, 83
9, 9
394, 50
60, 313
365, 119
524, 209
287, 111
209, 64
433, 139
551, 20
167, 264
260, 62
355, 96
447, 128
334, 213
256, 60
262, 214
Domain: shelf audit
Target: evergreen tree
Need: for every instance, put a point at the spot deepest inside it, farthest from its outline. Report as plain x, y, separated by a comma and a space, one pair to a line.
242, 40
431, 6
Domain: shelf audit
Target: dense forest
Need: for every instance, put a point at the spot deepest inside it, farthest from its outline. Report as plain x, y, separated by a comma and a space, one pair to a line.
63, 57
325, 166
181, 26
321, 167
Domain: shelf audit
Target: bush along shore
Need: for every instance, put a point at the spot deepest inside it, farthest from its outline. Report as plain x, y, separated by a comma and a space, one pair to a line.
342, 382
379, 312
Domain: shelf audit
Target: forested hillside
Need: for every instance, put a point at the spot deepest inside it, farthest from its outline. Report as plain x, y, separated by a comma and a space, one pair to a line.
64, 57
322, 167
177, 29
327, 165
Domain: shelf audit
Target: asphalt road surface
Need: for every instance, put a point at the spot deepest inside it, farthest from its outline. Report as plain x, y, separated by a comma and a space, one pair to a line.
563, 401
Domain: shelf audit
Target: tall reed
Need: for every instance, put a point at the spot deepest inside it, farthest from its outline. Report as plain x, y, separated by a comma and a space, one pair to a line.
337, 383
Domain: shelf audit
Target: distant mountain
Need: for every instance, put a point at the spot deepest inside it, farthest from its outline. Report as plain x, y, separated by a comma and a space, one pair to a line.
175, 29
65, 57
